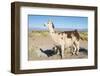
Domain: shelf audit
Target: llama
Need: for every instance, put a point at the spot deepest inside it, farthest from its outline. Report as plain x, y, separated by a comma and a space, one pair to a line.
65, 39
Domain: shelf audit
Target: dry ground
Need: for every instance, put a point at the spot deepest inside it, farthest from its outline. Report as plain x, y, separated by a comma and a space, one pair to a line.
43, 40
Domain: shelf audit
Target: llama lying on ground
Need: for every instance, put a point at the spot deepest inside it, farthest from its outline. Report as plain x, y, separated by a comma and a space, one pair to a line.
65, 39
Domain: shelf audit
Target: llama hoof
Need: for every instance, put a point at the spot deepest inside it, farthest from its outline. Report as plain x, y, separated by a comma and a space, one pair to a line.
77, 53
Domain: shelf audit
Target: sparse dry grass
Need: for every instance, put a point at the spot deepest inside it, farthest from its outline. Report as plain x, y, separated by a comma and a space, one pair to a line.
39, 33
42, 39
84, 35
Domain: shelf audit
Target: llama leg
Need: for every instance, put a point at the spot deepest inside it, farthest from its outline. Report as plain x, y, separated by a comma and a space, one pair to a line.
74, 49
62, 51
77, 52
77, 47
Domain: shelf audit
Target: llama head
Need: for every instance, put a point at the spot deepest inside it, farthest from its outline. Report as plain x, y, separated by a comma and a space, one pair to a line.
49, 24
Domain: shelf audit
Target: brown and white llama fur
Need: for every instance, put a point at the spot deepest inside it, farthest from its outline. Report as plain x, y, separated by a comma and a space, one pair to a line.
65, 39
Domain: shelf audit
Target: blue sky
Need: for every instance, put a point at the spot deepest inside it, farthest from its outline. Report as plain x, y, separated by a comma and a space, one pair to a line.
37, 21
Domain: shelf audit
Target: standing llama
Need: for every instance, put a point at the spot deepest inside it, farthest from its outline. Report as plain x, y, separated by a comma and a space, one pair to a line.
65, 39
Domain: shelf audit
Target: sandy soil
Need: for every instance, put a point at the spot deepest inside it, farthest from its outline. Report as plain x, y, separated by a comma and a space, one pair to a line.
37, 41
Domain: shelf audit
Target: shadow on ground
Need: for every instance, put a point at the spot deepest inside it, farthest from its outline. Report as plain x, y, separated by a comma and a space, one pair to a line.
51, 52
83, 50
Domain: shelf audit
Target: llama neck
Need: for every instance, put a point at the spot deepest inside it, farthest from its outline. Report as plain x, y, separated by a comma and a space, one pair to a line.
51, 29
